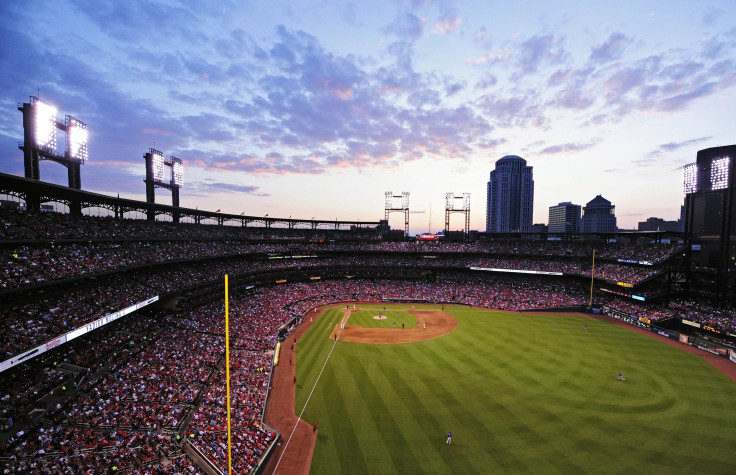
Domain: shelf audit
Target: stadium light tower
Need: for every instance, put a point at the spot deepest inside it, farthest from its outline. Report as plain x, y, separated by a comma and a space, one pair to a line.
403, 207
39, 143
76, 140
157, 176
464, 208
690, 178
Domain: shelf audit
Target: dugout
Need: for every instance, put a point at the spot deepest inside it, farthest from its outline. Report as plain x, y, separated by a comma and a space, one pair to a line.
284, 330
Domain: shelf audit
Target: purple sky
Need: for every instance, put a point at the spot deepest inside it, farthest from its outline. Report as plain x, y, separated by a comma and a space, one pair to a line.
317, 108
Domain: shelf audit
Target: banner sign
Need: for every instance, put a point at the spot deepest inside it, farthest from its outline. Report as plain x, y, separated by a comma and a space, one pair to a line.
632, 261
515, 271
69, 336
625, 317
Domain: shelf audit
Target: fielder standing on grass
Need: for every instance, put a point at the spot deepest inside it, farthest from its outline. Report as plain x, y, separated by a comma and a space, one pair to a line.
449, 438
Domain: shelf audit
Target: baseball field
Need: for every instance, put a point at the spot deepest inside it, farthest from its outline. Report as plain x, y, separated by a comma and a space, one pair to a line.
521, 393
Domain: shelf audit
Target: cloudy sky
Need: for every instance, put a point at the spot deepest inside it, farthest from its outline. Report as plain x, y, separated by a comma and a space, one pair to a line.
316, 108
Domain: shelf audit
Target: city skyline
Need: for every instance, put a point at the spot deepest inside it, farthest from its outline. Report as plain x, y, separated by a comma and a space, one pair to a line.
271, 104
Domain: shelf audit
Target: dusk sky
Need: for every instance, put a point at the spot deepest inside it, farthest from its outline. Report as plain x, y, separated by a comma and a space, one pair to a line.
316, 108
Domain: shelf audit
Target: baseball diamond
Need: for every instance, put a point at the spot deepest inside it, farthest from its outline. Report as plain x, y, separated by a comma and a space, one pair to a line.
521, 393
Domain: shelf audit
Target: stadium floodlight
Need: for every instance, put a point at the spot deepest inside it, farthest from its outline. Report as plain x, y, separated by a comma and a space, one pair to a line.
177, 171
690, 178
44, 125
719, 173
76, 139
157, 162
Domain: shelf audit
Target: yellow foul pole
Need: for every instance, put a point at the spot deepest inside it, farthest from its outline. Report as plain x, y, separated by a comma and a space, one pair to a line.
592, 272
227, 377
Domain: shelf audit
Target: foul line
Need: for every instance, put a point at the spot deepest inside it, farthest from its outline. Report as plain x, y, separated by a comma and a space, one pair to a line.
307, 402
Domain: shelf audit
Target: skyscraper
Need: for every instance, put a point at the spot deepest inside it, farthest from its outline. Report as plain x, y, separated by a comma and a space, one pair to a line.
510, 202
564, 218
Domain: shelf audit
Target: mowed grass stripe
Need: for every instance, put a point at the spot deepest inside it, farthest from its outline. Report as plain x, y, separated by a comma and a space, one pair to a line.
397, 424
344, 422
443, 417
535, 394
429, 429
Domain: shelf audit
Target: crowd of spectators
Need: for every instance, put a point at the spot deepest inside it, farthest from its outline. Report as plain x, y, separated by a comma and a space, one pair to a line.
132, 413
652, 312
29, 265
628, 273
57, 246
18, 225
130, 395
721, 319
37, 321
111, 423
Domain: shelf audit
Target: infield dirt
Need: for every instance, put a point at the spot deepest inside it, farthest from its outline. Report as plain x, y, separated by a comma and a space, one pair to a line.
432, 324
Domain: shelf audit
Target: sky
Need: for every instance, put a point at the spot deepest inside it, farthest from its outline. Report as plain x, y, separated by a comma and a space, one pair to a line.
314, 109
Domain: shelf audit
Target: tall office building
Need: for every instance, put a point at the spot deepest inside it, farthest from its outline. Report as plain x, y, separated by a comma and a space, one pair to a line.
564, 218
510, 202
599, 216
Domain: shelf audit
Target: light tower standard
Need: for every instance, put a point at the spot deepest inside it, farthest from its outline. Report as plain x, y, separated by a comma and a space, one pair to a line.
463, 208
403, 208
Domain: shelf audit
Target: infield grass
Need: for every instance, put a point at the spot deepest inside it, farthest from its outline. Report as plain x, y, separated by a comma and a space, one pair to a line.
521, 394
395, 314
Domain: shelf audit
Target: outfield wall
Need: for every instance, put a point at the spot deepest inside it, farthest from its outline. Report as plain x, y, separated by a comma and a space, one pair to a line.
698, 341
573, 309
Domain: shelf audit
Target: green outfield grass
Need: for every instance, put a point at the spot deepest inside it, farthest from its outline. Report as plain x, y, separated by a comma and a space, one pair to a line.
520, 393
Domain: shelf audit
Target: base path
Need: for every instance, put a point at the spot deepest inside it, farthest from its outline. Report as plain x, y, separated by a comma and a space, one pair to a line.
432, 324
